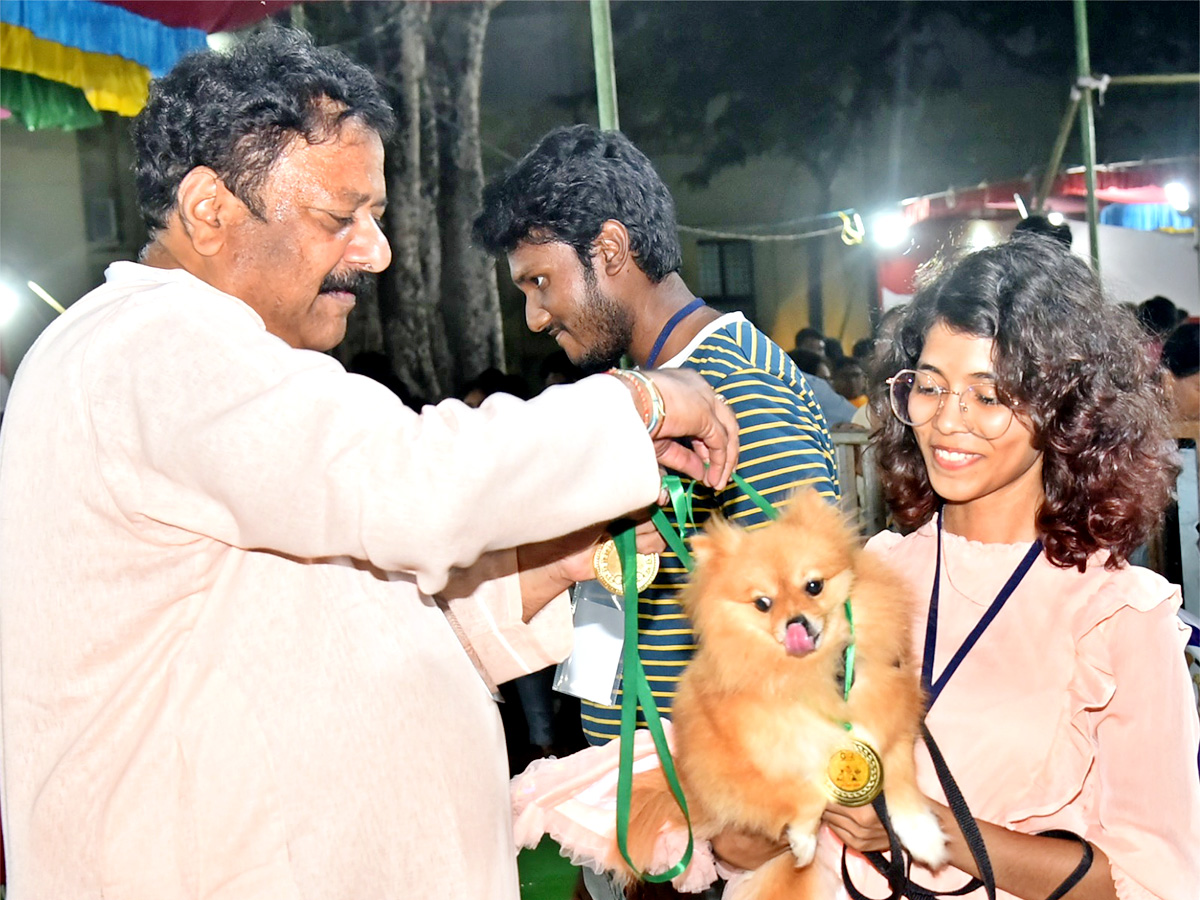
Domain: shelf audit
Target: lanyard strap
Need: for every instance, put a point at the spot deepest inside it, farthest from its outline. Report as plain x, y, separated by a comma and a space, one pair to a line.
635, 691
897, 870
681, 502
679, 316
933, 688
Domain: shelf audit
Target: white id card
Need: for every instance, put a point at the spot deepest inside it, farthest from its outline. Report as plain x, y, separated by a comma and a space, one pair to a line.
593, 670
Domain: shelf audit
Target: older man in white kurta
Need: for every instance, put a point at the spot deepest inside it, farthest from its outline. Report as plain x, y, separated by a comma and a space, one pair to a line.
215, 683
222, 672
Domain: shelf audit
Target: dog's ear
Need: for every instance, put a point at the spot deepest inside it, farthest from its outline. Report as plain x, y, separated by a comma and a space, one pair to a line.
716, 540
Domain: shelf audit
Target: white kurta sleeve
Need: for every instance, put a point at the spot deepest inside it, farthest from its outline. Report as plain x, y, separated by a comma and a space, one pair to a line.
486, 605
223, 430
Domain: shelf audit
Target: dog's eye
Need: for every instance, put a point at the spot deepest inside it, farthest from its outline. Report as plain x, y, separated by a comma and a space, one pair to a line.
762, 604
815, 586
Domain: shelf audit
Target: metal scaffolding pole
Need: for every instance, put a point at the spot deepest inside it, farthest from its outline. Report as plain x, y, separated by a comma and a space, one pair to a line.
1178, 78
1087, 128
1060, 144
606, 73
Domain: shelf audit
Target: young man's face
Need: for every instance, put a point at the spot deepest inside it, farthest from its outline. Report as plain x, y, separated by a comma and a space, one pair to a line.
302, 268
565, 300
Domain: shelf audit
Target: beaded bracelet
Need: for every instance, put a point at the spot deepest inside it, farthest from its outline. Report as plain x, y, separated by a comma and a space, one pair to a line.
650, 404
659, 406
644, 401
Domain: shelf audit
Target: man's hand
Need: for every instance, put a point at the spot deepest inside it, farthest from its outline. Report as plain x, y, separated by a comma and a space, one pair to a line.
649, 539
550, 567
693, 410
746, 850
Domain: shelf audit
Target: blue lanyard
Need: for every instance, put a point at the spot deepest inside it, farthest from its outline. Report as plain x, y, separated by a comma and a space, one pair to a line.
669, 327
933, 688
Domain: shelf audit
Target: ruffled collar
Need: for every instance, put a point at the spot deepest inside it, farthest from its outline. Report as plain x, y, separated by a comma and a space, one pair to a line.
976, 570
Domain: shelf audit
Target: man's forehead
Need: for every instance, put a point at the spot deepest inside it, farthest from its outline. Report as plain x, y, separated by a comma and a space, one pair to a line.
335, 170
532, 252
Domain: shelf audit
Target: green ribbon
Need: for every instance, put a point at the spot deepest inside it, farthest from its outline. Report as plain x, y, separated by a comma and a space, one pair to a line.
849, 665
759, 500
681, 502
637, 690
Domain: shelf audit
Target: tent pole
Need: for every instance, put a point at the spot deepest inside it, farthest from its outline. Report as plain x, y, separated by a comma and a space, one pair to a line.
606, 74
1060, 144
1179, 78
1087, 128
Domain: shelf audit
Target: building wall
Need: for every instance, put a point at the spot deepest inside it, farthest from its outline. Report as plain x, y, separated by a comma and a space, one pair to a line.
766, 191
41, 228
48, 181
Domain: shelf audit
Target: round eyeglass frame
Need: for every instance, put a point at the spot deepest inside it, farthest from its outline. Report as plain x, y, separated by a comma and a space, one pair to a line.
900, 405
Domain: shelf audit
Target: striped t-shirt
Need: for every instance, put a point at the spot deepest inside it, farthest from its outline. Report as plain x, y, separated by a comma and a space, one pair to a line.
785, 445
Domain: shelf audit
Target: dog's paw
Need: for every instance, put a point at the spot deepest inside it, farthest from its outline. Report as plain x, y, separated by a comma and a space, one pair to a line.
921, 835
803, 844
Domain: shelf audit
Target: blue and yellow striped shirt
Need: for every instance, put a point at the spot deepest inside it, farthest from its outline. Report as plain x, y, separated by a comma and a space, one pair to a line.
785, 445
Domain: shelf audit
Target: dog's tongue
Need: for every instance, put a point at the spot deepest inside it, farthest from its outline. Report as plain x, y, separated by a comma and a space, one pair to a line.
796, 640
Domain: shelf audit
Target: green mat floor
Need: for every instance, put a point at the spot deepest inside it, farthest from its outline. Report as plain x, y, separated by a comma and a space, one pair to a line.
546, 875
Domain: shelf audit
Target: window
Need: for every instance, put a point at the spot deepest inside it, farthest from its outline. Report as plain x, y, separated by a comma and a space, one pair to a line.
727, 275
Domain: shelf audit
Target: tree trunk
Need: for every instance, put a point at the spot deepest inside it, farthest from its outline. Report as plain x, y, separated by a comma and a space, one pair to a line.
437, 314
470, 298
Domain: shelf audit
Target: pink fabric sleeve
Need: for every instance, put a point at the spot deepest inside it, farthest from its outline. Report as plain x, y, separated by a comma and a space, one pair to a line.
574, 800
486, 601
883, 542
1149, 825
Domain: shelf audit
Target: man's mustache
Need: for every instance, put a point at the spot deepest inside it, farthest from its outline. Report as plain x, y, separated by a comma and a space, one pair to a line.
354, 282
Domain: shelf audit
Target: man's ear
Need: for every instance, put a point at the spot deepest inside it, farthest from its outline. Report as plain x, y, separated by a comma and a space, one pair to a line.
610, 250
206, 209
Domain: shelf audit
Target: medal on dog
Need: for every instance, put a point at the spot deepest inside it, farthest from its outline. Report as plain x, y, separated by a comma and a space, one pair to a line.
854, 776
607, 564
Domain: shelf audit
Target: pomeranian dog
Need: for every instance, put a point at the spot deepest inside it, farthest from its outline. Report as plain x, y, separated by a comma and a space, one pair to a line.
761, 710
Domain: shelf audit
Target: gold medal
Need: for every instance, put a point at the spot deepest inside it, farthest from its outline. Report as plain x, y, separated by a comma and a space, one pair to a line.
854, 776
607, 563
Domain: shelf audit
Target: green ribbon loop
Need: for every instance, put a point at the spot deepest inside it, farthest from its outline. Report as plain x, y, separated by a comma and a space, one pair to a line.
672, 537
759, 500
681, 502
849, 661
849, 652
637, 690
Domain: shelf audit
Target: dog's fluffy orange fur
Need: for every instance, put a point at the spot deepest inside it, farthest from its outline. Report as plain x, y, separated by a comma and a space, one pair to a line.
758, 713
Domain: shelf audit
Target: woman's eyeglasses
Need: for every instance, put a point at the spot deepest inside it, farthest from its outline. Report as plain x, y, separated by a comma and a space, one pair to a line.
917, 396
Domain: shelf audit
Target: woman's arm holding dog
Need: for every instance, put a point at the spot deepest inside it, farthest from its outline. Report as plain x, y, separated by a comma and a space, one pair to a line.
1026, 865
746, 850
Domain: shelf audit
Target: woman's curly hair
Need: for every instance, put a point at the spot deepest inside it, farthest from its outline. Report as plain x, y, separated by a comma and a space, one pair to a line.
1074, 366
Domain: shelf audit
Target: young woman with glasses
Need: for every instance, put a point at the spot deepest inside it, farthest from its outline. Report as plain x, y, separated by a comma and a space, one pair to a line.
1024, 437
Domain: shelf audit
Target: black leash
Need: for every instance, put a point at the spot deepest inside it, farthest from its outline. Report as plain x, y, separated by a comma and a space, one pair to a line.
897, 869
1080, 870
